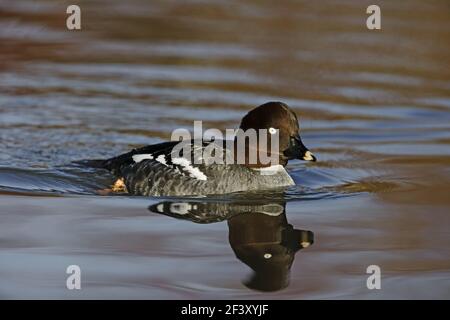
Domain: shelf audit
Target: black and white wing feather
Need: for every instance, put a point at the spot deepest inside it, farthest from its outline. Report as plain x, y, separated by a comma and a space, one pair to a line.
157, 169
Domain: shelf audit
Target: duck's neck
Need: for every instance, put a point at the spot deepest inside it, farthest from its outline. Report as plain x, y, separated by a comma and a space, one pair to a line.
255, 157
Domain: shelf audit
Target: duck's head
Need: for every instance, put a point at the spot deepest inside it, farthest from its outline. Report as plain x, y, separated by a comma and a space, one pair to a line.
274, 116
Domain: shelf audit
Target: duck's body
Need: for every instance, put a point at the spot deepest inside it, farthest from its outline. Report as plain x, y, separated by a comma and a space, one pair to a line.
152, 171
155, 171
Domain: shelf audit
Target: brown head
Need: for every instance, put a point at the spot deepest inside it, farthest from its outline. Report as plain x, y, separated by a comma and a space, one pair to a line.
278, 116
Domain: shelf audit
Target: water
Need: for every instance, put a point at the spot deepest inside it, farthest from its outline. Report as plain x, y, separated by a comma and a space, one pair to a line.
373, 106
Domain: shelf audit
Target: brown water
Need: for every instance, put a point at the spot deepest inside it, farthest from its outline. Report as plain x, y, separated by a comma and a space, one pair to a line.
374, 106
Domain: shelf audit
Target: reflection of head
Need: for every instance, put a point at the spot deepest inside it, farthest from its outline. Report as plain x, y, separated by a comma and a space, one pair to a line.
267, 244
258, 233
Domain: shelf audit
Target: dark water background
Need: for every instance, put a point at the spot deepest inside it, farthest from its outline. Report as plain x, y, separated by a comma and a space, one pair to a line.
374, 106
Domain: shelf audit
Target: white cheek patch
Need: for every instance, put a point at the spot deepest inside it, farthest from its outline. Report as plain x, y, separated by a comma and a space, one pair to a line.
139, 157
193, 171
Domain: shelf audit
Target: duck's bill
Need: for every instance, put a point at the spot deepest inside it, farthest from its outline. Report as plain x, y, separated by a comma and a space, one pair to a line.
297, 150
308, 156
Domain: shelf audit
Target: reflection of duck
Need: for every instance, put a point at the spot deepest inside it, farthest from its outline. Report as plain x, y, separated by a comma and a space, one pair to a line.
259, 235
267, 244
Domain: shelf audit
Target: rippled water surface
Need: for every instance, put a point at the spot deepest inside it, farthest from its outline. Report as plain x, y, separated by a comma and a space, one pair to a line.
374, 106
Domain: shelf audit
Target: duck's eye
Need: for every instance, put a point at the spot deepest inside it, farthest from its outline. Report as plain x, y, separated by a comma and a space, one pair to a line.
272, 130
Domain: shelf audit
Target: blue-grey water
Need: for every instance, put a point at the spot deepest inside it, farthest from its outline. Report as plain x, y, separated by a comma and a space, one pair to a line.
374, 106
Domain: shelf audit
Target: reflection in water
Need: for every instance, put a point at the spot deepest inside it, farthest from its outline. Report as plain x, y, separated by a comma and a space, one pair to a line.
376, 106
259, 235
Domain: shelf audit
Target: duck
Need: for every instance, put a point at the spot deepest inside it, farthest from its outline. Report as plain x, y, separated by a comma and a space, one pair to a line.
154, 170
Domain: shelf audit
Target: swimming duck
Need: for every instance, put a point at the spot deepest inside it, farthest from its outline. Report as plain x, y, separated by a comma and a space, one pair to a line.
154, 170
